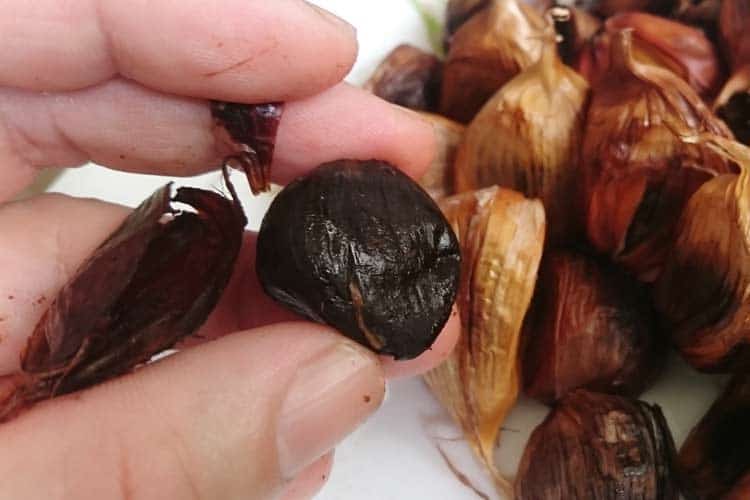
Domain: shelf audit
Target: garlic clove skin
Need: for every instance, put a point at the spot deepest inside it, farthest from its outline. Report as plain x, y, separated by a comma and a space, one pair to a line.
637, 173
590, 326
501, 234
595, 446
487, 51
527, 138
683, 49
715, 458
711, 261
408, 77
733, 104
438, 181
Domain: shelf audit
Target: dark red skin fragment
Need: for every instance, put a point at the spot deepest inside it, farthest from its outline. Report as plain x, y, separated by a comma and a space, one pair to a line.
133, 297
249, 131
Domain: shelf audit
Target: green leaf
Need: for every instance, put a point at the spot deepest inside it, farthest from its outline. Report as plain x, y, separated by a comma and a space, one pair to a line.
433, 26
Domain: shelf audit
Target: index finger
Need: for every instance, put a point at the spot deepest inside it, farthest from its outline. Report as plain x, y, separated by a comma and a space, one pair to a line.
232, 50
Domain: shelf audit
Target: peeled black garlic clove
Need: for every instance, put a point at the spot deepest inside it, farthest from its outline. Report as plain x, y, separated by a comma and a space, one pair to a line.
248, 134
702, 293
487, 51
502, 236
637, 172
360, 246
599, 447
527, 138
409, 77
716, 454
590, 326
132, 299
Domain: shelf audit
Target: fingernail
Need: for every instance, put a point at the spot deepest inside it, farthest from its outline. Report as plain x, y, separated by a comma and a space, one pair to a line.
331, 17
329, 397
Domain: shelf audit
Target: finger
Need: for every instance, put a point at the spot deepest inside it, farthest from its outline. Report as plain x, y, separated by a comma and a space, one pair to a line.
125, 126
234, 50
228, 419
310, 481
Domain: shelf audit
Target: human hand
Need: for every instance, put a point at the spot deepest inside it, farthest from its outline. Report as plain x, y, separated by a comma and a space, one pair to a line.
253, 414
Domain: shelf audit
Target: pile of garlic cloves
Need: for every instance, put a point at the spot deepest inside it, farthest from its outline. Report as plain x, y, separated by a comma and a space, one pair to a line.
592, 162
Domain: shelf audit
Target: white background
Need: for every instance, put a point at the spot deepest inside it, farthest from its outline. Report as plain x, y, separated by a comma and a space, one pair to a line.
394, 455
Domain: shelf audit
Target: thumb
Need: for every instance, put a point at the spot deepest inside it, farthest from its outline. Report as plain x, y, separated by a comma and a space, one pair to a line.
235, 418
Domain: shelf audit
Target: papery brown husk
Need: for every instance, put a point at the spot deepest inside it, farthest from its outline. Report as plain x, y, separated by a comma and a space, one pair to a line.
703, 292
733, 104
599, 447
683, 49
457, 12
638, 173
501, 234
408, 77
734, 31
716, 453
590, 326
132, 298
487, 51
527, 138
439, 181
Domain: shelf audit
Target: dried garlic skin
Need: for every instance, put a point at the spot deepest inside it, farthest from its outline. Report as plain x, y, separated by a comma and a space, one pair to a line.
702, 294
590, 326
362, 247
574, 27
637, 172
734, 32
132, 299
527, 138
487, 51
683, 49
599, 447
439, 181
408, 77
716, 453
457, 12
501, 234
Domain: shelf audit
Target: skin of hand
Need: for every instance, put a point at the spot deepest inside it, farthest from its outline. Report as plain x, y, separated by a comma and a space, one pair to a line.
255, 412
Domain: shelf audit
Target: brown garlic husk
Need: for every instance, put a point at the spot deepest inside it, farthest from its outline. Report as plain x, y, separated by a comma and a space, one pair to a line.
734, 32
527, 138
457, 12
683, 49
409, 77
590, 326
702, 293
501, 234
596, 446
637, 172
439, 181
733, 104
488, 50
715, 458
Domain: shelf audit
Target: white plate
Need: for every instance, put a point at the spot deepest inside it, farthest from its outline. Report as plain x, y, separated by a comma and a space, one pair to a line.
394, 455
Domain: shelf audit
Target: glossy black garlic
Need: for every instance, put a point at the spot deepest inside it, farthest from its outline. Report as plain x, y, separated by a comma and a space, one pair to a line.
360, 246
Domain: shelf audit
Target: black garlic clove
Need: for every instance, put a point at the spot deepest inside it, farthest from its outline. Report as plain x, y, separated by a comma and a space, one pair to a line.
590, 326
598, 447
360, 246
